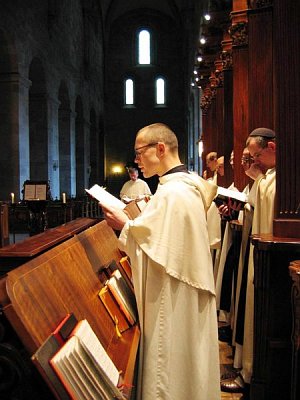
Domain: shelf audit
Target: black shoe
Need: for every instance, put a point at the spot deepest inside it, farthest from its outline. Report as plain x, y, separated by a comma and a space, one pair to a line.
225, 334
236, 385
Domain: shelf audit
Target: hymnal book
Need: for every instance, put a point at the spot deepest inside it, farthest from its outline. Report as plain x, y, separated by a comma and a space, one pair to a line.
125, 264
64, 328
124, 296
84, 367
133, 209
107, 270
48, 349
224, 195
104, 197
113, 309
140, 199
35, 191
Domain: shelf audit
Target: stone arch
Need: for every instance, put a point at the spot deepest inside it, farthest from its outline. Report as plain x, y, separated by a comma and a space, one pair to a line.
38, 123
64, 134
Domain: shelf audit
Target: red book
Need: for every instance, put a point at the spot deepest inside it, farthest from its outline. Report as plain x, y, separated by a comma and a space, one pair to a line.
47, 350
64, 328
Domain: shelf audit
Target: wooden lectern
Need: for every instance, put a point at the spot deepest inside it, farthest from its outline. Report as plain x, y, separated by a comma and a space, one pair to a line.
36, 296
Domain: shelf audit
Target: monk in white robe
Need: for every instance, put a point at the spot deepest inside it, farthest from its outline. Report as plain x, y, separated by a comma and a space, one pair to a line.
262, 148
173, 276
262, 223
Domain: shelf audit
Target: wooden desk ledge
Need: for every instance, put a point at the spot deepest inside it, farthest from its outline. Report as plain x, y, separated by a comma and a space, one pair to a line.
41, 242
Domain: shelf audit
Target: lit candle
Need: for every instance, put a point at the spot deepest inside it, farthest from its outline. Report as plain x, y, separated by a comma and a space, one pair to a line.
12, 198
64, 198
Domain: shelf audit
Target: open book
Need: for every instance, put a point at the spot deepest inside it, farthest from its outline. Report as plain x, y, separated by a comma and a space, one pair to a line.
225, 195
104, 197
84, 367
133, 209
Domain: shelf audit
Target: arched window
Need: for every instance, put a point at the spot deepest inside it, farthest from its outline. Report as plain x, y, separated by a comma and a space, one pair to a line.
160, 91
129, 92
144, 50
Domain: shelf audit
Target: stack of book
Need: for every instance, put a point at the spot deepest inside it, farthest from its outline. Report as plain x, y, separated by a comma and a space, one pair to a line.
118, 297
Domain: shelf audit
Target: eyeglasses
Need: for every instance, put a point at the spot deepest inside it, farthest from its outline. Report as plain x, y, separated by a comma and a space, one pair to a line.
246, 160
258, 154
139, 153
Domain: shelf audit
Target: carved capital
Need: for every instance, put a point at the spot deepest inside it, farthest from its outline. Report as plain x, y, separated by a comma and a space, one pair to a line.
206, 100
226, 57
218, 73
239, 34
216, 79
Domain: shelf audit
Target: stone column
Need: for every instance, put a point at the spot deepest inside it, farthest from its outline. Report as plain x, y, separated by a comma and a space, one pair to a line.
53, 146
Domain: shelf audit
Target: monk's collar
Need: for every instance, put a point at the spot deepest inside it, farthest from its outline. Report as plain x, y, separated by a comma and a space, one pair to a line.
179, 168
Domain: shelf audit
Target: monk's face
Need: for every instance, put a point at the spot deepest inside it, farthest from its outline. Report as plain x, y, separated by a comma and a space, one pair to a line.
146, 156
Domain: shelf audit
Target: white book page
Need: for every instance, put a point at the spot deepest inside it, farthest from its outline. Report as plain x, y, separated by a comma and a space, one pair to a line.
234, 194
29, 192
90, 341
41, 192
69, 381
105, 198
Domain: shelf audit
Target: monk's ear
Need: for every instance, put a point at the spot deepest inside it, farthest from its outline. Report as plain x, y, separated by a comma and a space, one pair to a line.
161, 148
272, 146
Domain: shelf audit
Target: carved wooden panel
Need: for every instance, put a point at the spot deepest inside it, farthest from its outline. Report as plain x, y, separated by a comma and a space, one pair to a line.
240, 110
272, 363
287, 116
260, 69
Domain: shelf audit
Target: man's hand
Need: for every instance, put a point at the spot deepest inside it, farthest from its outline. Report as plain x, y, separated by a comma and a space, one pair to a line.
254, 171
115, 217
230, 210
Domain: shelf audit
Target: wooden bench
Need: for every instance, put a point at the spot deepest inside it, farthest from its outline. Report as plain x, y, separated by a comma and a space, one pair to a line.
36, 296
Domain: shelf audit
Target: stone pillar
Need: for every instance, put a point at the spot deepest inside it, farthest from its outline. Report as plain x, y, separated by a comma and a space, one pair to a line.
24, 161
14, 161
53, 146
73, 152
87, 156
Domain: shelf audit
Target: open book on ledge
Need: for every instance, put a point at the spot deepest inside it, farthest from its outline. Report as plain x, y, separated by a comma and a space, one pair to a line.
225, 195
104, 197
133, 209
84, 367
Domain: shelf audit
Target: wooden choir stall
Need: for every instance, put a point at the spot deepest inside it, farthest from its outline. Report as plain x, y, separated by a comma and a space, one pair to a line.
38, 294
295, 380
276, 318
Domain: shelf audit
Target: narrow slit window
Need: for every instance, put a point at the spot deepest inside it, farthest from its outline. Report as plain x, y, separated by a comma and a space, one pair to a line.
160, 91
144, 47
129, 92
